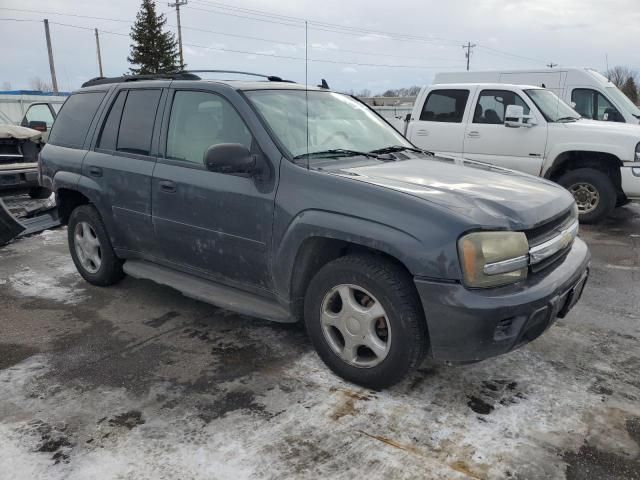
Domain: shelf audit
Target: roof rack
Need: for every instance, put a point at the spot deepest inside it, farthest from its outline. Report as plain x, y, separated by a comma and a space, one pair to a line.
137, 78
181, 75
271, 78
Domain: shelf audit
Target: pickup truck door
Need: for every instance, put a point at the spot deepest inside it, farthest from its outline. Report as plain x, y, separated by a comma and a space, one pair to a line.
439, 126
210, 224
487, 139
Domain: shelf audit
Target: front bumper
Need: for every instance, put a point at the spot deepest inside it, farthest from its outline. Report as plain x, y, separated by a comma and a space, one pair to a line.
470, 325
19, 177
630, 177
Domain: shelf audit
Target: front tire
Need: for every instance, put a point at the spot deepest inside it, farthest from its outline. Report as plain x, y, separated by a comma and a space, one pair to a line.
594, 192
365, 320
91, 248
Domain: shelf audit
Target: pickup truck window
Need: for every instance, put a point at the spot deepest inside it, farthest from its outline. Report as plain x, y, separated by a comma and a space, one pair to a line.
199, 120
492, 104
592, 104
334, 121
552, 108
445, 106
39, 112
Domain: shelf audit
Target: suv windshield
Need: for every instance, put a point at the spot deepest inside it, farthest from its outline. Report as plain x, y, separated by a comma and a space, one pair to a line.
553, 109
336, 122
622, 100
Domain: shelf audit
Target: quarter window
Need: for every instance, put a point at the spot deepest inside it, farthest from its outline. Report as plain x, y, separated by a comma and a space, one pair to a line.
492, 105
199, 120
592, 104
138, 117
74, 119
445, 106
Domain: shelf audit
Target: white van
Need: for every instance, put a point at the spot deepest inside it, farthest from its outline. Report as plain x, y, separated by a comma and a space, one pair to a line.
590, 93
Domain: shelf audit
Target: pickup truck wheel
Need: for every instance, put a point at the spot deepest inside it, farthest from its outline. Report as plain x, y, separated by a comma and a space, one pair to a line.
91, 248
39, 193
365, 320
594, 192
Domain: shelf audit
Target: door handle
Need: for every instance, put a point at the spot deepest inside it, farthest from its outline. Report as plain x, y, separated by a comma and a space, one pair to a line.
167, 186
422, 133
473, 134
95, 171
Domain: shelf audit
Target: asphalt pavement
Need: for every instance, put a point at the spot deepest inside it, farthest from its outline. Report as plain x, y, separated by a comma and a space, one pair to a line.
137, 381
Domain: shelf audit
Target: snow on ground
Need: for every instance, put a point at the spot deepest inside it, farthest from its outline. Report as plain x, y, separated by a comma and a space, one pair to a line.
136, 381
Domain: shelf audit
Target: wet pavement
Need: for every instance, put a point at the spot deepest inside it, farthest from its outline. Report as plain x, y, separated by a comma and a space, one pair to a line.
137, 381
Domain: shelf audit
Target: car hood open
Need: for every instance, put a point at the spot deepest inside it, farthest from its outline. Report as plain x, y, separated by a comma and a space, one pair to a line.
489, 195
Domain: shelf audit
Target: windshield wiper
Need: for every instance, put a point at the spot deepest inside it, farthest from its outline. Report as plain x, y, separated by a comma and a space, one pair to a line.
336, 152
397, 148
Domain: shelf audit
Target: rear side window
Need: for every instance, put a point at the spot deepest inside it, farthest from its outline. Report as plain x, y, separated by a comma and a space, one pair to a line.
109, 133
74, 119
445, 106
136, 125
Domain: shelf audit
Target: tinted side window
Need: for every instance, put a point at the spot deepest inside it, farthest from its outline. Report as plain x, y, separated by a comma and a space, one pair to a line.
138, 117
74, 119
492, 105
109, 133
445, 106
199, 120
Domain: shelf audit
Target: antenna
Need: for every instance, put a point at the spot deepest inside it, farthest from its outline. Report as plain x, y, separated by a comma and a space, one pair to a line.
551, 64
306, 81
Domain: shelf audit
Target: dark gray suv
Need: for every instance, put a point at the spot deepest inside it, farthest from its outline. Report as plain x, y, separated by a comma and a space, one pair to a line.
301, 204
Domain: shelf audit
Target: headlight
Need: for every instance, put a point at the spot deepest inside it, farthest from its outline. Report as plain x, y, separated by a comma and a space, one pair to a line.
490, 259
638, 152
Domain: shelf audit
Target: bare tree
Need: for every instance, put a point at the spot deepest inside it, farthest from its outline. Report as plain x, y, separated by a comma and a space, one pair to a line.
36, 83
6, 85
627, 80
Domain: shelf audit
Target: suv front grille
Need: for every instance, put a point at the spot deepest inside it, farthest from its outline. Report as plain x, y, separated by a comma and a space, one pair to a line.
557, 231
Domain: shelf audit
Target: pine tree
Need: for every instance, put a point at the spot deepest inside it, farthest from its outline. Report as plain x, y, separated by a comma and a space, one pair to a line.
152, 50
630, 89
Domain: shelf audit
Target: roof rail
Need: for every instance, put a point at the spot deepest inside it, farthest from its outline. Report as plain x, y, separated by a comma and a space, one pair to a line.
137, 78
271, 78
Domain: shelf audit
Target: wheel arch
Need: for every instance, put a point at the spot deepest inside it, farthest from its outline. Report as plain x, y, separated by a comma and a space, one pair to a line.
607, 163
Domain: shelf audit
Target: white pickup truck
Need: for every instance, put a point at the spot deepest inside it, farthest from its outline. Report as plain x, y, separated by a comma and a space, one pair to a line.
530, 129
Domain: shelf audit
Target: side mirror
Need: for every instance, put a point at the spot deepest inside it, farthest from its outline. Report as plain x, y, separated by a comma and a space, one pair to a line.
515, 118
229, 158
38, 125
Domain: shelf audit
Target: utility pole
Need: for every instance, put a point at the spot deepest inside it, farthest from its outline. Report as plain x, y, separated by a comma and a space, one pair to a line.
467, 54
54, 82
99, 56
551, 64
177, 4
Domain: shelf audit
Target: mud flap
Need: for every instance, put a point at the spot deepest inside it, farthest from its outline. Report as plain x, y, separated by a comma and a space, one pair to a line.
10, 228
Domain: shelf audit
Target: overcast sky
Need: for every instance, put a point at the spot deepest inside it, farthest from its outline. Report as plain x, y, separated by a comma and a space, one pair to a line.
510, 34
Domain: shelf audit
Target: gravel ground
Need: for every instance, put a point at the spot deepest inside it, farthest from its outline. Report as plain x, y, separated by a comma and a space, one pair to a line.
137, 381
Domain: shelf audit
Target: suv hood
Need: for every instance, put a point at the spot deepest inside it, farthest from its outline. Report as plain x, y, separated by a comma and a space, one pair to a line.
488, 195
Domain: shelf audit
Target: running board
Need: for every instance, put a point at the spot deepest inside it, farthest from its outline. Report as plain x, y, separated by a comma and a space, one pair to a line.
210, 292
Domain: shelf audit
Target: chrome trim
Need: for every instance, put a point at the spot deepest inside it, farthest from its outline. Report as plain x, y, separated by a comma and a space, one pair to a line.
549, 248
506, 266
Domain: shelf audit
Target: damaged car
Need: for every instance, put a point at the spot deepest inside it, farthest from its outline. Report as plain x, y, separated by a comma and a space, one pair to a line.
19, 149
299, 204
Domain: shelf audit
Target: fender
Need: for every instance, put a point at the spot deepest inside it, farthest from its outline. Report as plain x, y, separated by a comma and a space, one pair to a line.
619, 146
318, 223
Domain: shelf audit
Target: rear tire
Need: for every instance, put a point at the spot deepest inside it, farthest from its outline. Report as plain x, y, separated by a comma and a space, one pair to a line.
39, 193
91, 248
382, 309
594, 192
